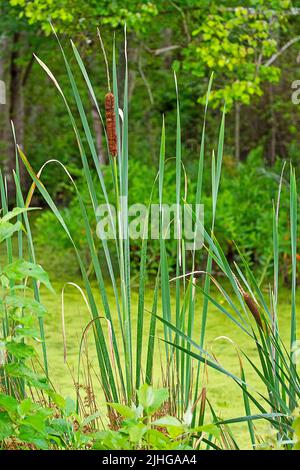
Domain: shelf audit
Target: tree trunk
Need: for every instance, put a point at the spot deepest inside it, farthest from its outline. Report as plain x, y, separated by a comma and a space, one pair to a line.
237, 131
4, 44
272, 146
132, 58
16, 115
167, 41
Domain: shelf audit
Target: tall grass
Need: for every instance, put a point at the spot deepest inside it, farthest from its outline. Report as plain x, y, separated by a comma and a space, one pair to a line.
120, 358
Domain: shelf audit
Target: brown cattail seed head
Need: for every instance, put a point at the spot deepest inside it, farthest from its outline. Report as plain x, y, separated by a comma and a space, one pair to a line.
110, 117
253, 308
203, 400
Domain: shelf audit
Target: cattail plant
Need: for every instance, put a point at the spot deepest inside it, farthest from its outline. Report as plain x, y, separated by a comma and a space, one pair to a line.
117, 375
110, 115
250, 302
253, 308
110, 118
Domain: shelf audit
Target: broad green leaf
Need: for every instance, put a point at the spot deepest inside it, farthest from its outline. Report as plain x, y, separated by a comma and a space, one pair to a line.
38, 420
7, 229
123, 410
6, 426
20, 350
8, 403
111, 440
152, 399
136, 432
91, 418
24, 332
157, 439
25, 407
70, 407
146, 396
31, 305
160, 396
57, 399
28, 434
168, 421
4, 282
20, 269
209, 429
60, 427
20, 370
174, 426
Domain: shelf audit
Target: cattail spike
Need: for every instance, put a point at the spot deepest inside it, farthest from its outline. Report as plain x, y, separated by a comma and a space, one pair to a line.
111, 124
253, 308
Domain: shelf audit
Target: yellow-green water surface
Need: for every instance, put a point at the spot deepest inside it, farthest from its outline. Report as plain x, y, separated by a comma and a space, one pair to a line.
225, 396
